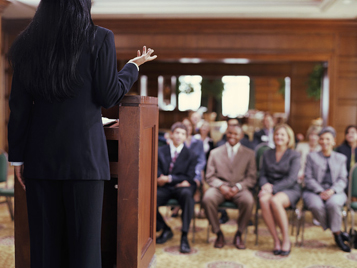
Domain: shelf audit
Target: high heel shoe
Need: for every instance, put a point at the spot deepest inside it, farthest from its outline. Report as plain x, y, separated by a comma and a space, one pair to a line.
286, 253
277, 251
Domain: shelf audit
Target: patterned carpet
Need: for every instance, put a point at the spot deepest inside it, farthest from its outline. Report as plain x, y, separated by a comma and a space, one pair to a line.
319, 250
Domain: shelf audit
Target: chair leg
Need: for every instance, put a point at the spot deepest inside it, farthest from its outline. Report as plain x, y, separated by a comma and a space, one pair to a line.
352, 228
298, 226
9, 205
292, 214
256, 226
303, 227
208, 225
194, 226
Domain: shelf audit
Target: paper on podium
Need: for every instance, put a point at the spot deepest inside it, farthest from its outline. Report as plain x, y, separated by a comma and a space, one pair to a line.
107, 121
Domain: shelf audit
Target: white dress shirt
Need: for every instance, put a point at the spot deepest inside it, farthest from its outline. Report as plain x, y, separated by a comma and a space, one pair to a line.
232, 151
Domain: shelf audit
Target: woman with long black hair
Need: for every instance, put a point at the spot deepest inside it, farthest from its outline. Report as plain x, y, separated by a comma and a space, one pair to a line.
65, 70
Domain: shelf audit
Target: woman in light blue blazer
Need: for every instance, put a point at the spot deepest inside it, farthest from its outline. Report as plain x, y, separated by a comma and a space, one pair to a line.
325, 181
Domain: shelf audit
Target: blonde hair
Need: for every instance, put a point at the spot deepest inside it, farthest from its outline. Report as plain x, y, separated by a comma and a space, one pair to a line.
311, 129
290, 132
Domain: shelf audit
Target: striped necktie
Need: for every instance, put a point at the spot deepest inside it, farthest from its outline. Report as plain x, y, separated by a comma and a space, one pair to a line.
173, 162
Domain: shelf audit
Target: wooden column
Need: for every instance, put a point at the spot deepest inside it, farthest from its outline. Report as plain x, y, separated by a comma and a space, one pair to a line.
3, 5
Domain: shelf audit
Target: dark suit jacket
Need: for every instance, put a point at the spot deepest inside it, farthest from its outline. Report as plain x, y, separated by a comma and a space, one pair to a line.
184, 168
345, 149
257, 137
65, 140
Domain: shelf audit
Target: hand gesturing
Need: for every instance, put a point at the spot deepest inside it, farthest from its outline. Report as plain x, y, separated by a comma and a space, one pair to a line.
144, 57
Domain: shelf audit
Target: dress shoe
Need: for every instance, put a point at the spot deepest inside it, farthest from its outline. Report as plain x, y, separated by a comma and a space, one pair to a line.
238, 241
184, 246
165, 235
345, 237
341, 244
219, 243
285, 253
224, 217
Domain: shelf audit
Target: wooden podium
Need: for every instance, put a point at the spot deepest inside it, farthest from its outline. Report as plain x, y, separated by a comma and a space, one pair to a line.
129, 208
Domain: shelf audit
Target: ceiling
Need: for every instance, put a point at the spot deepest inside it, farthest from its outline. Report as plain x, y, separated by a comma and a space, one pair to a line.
294, 9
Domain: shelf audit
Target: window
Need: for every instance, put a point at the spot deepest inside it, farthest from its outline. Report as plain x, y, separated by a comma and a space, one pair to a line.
235, 97
189, 92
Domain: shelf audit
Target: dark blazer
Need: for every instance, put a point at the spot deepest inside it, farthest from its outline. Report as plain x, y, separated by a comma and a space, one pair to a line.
184, 168
196, 147
65, 140
257, 137
283, 174
345, 149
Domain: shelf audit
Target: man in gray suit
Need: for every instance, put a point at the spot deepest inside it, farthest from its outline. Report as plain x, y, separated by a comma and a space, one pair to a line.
326, 179
231, 172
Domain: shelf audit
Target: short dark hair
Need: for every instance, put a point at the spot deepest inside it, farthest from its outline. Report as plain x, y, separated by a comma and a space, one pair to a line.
232, 118
178, 125
348, 128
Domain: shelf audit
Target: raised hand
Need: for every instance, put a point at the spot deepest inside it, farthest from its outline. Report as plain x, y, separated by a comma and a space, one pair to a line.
143, 57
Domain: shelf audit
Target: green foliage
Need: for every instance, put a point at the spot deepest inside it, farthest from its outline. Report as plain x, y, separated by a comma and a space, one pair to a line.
212, 88
314, 82
281, 86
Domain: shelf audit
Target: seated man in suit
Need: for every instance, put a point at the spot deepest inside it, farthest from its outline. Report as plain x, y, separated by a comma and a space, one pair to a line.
176, 171
231, 172
265, 135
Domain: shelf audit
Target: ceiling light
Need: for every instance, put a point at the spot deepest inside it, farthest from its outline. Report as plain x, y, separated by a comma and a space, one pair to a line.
190, 60
236, 61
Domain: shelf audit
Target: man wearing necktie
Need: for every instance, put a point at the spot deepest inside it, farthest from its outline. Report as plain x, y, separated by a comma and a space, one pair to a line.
231, 173
176, 171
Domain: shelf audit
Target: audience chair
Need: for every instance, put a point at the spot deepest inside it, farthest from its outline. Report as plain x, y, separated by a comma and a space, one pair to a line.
352, 194
5, 191
174, 203
227, 205
301, 223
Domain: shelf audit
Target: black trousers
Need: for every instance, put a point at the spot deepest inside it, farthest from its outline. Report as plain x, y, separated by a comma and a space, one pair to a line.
184, 196
65, 223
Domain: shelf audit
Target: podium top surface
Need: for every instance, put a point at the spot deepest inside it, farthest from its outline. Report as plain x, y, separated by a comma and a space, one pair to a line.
130, 100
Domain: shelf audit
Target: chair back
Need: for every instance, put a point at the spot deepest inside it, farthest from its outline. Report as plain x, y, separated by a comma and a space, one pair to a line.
3, 167
352, 184
259, 153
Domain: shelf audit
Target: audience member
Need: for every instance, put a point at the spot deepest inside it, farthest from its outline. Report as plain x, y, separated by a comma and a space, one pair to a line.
196, 119
231, 172
279, 186
325, 180
204, 136
349, 146
306, 147
245, 139
176, 171
265, 135
196, 146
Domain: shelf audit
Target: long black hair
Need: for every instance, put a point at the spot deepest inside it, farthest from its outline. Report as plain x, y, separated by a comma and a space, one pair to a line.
46, 53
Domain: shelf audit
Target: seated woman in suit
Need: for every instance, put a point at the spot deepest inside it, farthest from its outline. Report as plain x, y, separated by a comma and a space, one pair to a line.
279, 186
325, 180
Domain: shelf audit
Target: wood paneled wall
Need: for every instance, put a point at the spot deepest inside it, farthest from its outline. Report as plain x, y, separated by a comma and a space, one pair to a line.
267, 97
289, 41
